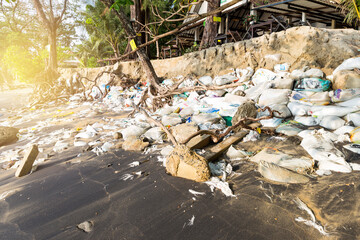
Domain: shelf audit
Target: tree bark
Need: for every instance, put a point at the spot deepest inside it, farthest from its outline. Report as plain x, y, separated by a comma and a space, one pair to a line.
51, 24
143, 57
53, 53
211, 26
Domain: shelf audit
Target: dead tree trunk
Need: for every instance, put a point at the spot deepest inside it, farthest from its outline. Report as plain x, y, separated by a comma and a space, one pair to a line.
143, 57
211, 26
51, 23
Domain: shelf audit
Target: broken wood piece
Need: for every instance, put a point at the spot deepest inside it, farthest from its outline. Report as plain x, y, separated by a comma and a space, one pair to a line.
28, 161
199, 142
213, 152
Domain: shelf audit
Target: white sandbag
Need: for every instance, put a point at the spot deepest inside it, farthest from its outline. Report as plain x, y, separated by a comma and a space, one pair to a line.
355, 135
215, 93
307, 120
283, 83
167, 110
342, 95
206, 118
313, 73
171, 120
272, 122
168, 82
343, 130
235, 154
284, 67
206, 80
239, 90
263, 75
332, 122
355, 102
235, 99
348, 64
274, 96
353, 147
225, 79
188, 111
244, 74
132, 131
212, 101
353, 117
313, 98
155, 134
331, 110
328, 136
297, 74
298, 109
279, 158
228, 110
324, 151
282, 109
187, 83
255, 91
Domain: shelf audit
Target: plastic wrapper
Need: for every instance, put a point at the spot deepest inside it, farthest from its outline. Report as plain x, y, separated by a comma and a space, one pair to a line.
312, 84
284, 67
341, 95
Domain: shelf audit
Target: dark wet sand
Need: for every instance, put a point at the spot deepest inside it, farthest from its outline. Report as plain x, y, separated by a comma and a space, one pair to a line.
49, 203
62, 192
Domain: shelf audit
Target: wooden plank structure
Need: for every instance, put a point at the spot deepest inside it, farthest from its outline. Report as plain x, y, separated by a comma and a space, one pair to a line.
249, 18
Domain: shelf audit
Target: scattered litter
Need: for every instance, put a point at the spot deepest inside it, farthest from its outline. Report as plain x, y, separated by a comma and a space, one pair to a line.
196, 193
313, 224
134, 164
5, 194
215, 182
86, 226
162, 160
190, 222
127, 176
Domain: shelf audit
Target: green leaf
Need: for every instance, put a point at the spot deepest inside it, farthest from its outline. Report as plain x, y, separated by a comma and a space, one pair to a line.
89, 21
120, 3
